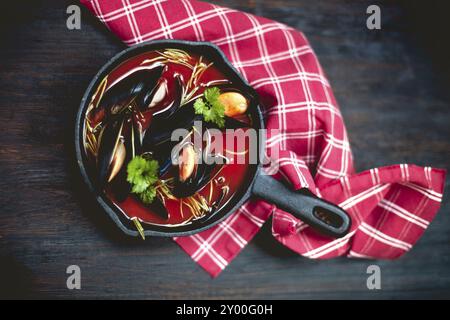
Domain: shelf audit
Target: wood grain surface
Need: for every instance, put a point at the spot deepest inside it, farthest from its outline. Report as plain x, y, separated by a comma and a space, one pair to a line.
392, 86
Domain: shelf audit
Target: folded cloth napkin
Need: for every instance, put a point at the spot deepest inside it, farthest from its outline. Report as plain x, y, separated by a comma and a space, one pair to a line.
390, 206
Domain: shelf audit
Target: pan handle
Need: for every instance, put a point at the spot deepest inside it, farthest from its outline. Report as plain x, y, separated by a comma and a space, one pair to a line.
323, 216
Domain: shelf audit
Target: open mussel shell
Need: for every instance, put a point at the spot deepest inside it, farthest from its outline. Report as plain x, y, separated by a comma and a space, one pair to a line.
161, 153
166, 151
176, 103
120, 141
131, 144
111, 152
236, 103
187, 162
135, 138
161, 92
161, 131
138, 87
193, 172
117, 160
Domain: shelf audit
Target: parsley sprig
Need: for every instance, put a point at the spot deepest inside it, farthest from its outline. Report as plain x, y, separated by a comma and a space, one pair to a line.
210, 107
142, 174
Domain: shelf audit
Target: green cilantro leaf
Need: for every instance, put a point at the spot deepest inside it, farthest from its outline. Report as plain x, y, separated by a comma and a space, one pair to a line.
148, 195
142, 174
210, 107
212, 94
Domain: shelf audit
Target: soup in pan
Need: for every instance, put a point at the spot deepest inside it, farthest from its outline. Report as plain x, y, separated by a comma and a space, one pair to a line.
151, 136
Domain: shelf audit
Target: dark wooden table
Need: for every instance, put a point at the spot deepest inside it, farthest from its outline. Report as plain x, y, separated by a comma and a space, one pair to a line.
391, 84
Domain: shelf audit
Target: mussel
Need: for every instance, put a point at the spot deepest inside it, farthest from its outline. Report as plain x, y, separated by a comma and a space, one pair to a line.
119, 186
119, 143
161, 131
174, 117
161, 153
136, 137
117, 160
176, 103
235, 103
131, 145
139, 87
193, 171
161, 92
187, 162
158, 207
111, 152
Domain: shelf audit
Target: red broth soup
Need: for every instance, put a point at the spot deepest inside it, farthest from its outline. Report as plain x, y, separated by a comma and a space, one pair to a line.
129, 137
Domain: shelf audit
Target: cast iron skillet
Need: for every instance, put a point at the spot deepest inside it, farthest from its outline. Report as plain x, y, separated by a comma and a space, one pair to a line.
325, 217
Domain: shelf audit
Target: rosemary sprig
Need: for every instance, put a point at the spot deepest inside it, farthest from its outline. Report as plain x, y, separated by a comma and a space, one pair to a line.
91, 143
171, 56
192, 86
139, 227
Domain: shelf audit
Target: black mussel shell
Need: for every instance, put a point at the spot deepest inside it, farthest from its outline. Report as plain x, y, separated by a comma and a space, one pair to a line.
119, 186
130, 133
178, 95
135, 139
232, 123
228, 88
158, 208
139, 85
161, 131
196, 182
162, 154
109, 140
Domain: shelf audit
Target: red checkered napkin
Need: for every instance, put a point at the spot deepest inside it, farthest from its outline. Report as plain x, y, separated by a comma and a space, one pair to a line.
391, 206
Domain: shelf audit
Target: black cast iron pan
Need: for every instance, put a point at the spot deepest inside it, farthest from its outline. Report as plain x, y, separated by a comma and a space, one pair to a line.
323, 216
